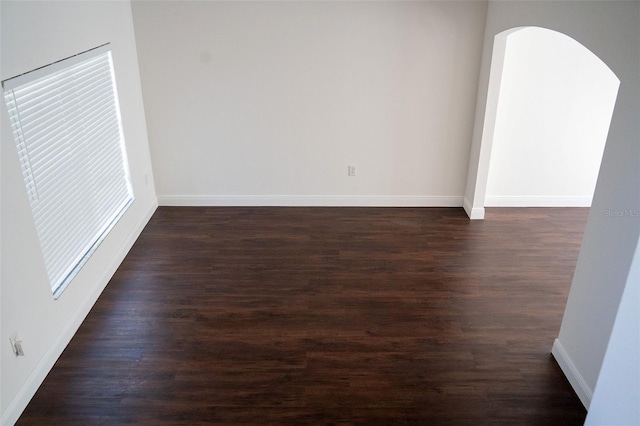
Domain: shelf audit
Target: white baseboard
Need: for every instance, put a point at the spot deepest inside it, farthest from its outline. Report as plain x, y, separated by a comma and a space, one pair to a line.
580, 386
33, 382
310, 200
542, 201
474, 213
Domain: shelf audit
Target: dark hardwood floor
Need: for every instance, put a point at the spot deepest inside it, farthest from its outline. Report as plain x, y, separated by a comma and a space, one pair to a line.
327, 315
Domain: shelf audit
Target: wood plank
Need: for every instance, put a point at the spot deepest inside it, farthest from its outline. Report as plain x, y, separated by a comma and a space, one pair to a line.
326, 315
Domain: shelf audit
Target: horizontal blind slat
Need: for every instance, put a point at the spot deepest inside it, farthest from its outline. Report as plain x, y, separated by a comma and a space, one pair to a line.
69, 140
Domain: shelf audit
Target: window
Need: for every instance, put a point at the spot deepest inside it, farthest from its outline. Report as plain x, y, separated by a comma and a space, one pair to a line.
66, 125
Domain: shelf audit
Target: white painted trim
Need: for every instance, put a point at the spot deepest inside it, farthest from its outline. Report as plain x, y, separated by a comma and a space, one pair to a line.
580, 386
33, 382
474, 213
466, 205
311, 200
537, 201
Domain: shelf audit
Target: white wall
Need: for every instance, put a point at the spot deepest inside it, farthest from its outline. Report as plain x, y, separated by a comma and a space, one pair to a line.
268, 102
611, 31
555, 106
617, 395
34, 34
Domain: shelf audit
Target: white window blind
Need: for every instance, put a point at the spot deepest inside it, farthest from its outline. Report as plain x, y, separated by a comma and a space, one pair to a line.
66, 124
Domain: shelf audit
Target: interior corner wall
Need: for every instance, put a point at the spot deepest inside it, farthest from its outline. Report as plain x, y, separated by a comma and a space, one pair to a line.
34, 34
610, 30
269, 102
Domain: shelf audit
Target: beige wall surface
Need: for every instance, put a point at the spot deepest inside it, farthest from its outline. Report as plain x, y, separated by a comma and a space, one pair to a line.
278, 98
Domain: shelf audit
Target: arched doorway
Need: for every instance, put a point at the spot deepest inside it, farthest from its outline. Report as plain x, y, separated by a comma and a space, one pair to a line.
552, 118
549, 106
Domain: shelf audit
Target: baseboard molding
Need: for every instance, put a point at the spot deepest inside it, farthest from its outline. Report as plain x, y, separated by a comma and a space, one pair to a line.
310, 200
474, 213
580, 386
551, 201
31, 385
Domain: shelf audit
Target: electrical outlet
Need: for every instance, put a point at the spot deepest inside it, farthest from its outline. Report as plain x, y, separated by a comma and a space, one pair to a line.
16, 345
351, 170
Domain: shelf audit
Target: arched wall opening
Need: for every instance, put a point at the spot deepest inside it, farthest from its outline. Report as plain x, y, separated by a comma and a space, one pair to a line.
549, 106
555, 103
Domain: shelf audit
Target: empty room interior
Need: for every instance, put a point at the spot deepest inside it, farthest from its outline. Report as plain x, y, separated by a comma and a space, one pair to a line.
305, 212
